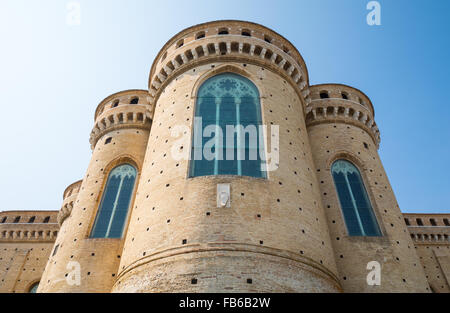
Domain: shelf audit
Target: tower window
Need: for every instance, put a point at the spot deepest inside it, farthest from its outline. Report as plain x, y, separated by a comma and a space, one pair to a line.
180, 43
108, 140
366, 145
433, 222
17, 219
115, 104
324, 95
31, 220
446, 222
355, 204
223, 31
134, 100
227, 129
246, 33
113, 209
200, 35
4, 219
407, 222
419, 222
344, 96
46, 219
55, 250
268, 39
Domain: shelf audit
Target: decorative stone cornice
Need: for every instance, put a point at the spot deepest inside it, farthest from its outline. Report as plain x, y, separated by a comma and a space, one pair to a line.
342, 111
235, 48
28, 232
64, 213
125, 116
430, 235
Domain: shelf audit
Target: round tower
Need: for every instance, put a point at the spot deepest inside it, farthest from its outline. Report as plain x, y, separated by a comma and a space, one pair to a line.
270, 233
83, 260
365, 226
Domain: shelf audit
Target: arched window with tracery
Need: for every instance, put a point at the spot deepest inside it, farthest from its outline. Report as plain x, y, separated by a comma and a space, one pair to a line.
228, 139
113, 210
355, 203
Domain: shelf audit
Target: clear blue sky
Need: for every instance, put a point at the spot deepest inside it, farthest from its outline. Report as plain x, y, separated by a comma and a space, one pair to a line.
52, 76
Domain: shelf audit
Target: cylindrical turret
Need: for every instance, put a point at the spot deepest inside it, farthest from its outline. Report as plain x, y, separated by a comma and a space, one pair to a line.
272, 236
364, 218
119, 138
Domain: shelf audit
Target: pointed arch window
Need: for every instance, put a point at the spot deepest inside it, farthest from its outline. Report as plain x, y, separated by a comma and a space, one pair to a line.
113, 209
358, 213
33, 288
228, 139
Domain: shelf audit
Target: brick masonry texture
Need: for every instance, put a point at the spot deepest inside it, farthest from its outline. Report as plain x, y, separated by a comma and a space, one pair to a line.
282, 234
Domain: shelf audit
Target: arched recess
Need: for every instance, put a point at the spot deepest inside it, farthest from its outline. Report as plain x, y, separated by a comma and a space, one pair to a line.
227, 138
114, 207
355, 203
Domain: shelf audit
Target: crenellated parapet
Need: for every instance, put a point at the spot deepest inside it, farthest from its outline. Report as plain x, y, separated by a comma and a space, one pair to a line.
69, 198
24, 226
428, 229
232, 41
334, 103
126, 109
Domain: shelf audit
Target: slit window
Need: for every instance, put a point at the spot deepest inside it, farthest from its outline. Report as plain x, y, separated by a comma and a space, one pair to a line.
419, 222
46, 219
324, 95
32, 219
17, 219
55, 250
134, 101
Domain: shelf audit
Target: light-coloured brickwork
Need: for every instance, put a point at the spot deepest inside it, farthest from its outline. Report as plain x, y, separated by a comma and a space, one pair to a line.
430, 233
285, 233
292, 223
128, 127
26, 240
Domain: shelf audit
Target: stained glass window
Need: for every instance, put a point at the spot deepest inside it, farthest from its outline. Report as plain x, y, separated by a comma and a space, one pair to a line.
355, 203
228, 139
113, 210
